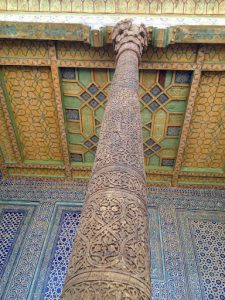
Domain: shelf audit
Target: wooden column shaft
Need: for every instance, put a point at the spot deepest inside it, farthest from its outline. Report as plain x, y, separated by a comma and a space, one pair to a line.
111, 259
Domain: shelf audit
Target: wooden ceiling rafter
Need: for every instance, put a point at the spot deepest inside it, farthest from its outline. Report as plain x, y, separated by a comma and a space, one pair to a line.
36, 166
40, 178
10, 128
3, 168
187, 120
213, 67
24, 62
167, 66
57, 91
86, 64
158, 37
200, 186
4, 61
206, 174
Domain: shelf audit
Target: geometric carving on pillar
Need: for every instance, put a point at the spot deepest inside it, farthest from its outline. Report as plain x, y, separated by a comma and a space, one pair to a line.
110, 259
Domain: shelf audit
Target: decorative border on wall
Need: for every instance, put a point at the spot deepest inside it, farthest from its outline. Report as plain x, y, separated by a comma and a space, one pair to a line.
198, 268
51, 192
45, 261
175, 285
158, 275
24, 271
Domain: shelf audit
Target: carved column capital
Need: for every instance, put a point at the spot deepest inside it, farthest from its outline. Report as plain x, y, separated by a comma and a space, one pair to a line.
129, 36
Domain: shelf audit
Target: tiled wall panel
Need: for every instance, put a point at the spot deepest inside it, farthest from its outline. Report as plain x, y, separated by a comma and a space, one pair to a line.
187, 238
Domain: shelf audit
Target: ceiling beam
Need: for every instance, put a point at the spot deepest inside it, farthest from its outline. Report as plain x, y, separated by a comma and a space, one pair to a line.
9, 126
35, 166
3, 168
9, 61
188, 114
158, 36
201, 174
213, 67
200, 186
58, 99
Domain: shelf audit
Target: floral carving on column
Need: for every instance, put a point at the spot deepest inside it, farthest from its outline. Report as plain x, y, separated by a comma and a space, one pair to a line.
110, 259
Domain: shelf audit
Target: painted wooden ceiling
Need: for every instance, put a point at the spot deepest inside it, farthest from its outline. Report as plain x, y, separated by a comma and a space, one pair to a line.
53, 97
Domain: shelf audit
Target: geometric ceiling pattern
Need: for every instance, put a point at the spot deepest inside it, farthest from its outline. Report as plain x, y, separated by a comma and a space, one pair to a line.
206, 138
30, 98
163, 98
85, 92
53, 98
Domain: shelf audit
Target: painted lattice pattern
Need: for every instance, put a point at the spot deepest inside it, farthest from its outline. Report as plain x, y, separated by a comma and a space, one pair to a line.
30, 95
84, 52
163, 98
61, 252
172, 53
85, 93
23, 48
209, 245
10, 223
163, 103
215, 54
206, 138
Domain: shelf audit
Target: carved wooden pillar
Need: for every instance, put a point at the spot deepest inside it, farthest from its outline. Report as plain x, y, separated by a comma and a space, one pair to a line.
110, 259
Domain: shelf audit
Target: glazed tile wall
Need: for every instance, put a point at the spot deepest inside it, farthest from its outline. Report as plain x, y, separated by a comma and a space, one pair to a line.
10, 224
187, 240
15, 217
205, 256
